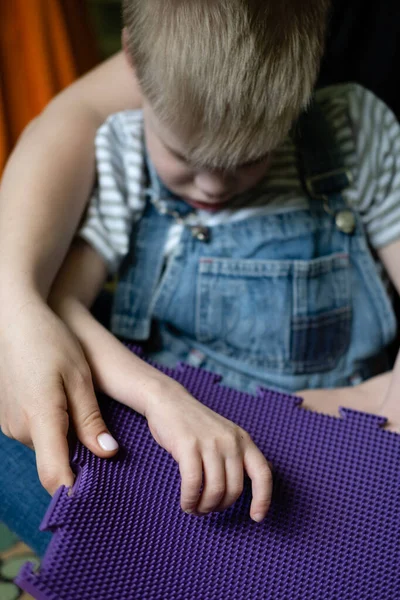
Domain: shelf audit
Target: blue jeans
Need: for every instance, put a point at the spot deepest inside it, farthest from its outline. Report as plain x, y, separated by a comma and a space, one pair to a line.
23, 500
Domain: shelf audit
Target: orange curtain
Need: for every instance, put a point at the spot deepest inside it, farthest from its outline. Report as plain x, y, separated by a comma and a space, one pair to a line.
44, 46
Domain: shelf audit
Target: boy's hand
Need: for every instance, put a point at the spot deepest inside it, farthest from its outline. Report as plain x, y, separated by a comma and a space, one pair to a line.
44, 382
211, 452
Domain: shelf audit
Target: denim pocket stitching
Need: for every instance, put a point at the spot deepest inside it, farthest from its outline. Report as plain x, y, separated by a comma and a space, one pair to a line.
293, 270
303, 321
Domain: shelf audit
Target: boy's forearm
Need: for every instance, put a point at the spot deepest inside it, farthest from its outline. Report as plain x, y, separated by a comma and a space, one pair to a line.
48, 180
113, 366
81, 277
116, 370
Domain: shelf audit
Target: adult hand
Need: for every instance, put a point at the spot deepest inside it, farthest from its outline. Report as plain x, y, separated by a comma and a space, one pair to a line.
46, 383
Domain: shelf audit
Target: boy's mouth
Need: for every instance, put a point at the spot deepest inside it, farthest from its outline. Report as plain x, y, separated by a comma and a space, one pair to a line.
210, 206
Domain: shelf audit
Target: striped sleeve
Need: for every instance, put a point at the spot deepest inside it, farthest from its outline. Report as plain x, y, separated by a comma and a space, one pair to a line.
377, 135
118, 198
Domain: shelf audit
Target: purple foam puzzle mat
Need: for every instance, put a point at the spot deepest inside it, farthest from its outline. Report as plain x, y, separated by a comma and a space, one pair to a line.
333, 530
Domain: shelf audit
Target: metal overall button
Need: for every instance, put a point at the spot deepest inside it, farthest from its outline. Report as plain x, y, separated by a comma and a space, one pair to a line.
201, 233
345, 221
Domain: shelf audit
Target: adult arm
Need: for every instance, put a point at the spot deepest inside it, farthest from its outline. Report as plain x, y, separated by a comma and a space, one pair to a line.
48, 179
45, 381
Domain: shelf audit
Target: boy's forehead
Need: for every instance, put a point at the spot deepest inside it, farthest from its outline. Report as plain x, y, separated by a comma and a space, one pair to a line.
178, 139
174, 137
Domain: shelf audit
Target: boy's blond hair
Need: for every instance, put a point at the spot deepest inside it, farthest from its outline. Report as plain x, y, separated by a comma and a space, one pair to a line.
232, 75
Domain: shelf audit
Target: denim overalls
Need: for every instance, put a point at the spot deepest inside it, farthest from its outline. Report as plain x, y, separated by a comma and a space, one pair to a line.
289, 301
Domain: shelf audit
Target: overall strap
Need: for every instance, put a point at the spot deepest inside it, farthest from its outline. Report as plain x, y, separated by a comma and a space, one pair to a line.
139, 276
321, 165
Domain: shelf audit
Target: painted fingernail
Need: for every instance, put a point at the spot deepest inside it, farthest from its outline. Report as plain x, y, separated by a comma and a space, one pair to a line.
107, 442
257, 518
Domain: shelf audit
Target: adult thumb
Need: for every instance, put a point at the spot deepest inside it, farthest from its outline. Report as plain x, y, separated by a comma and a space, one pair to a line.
88, 422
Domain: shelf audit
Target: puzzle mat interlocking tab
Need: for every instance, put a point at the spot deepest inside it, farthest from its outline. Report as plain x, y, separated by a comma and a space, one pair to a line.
333, 530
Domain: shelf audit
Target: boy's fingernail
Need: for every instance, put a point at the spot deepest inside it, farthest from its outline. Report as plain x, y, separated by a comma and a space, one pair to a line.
107, 442
189, 512
258, 517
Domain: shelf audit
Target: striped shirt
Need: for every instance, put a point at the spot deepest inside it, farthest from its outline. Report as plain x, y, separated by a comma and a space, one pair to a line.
366, 131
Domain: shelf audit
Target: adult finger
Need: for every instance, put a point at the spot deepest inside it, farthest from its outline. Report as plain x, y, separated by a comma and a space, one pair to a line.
49, 438
86, 417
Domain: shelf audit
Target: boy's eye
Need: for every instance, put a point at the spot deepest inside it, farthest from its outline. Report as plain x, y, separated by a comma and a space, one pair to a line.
180, 157
177, 155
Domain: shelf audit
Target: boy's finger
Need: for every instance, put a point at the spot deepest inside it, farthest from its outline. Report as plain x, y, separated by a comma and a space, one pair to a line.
191, 470
214, 483
234, 477
88, 422
259, 471
49, 438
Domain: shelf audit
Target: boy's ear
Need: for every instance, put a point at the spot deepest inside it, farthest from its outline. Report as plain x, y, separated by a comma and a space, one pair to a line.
125, 48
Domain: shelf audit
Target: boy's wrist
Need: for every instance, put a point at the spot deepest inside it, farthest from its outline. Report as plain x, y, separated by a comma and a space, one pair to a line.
155, 389
130, 380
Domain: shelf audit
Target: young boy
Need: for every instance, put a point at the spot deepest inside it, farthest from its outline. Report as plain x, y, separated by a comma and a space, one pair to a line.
239, 247
201, 207
176, 185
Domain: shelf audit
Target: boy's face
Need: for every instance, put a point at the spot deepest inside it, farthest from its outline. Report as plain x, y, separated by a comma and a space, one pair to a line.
207, 189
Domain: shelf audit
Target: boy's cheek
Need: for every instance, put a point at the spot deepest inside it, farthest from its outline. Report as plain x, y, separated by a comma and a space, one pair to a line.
174, 175
256, 174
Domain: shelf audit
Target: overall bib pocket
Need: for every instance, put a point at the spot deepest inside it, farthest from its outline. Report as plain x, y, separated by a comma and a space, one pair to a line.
292, 316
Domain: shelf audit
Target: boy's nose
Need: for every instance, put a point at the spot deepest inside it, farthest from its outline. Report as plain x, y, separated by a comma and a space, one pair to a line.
213, 184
